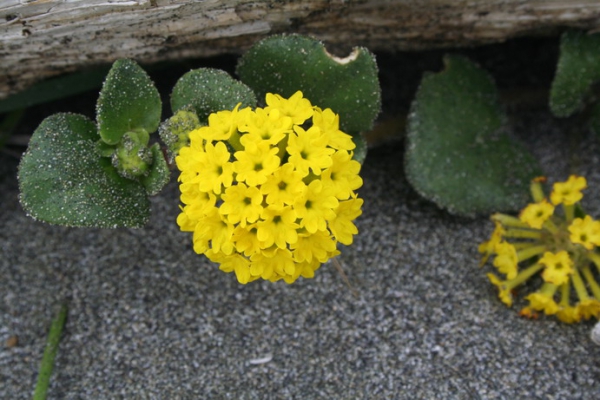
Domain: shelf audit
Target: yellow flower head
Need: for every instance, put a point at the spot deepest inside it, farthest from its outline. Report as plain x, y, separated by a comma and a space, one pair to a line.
569, 192
268, 193
558, 267
585, 232
535, 214
559, 248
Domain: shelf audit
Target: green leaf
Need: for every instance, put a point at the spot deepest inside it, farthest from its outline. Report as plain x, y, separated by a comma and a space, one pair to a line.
284, 64
64, 180
360, 152
159, 175
578, 68
208, 90
456, 155
55, 88
128, 101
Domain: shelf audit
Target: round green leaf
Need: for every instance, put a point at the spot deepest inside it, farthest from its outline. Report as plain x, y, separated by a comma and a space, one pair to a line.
128, 101
456, 155
578, 68
64, 180
284, 64
208, 90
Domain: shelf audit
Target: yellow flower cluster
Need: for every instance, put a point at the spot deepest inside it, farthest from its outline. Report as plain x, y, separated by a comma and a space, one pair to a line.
559, 247
268, 193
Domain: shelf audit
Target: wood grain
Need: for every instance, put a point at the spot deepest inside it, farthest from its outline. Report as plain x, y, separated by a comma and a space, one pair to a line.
42, 38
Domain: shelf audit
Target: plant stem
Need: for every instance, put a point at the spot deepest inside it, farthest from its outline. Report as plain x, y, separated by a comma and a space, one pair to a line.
49, 353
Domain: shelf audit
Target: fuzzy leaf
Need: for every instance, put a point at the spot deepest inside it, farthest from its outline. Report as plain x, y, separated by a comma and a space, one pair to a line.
159, 172
284, 64
128, 101
207, 90
360, 152
578, 68
456, 155
64, 180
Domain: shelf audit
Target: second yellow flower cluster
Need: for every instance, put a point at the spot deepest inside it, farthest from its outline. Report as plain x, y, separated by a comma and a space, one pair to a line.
560, 248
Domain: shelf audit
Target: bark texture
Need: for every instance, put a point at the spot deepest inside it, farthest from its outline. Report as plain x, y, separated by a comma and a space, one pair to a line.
42, 38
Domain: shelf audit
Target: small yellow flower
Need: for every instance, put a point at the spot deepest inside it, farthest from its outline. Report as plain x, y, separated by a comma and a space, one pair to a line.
275, 266
319, 245
328, 122
246, 240
489, 247
585, 232
233, 263
503, 292
506, 259
307, 269
558, 267
569, 192
266, 126
216, 168
543, 300
568, 315
221, 125
342, 176
256, 163
308, 150
212, 232
342, 226
535, 214
241, 204
277, 226
204, 202
296, 107
283, 186
315, 207
589, 308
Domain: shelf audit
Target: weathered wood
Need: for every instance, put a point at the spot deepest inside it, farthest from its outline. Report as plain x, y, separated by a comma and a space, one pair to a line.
42, 38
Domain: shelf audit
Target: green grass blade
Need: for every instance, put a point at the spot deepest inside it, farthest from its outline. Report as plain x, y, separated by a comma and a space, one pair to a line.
47, 364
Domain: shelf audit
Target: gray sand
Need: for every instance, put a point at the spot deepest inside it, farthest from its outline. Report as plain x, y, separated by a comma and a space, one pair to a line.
150, 319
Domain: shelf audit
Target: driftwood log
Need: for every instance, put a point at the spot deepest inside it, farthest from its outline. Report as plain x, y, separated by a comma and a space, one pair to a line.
42, 38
